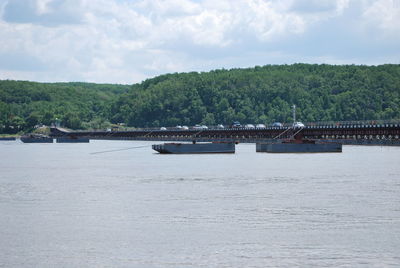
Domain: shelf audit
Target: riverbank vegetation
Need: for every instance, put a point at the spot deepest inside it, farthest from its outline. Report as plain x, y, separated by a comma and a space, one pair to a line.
262, 94
24, 105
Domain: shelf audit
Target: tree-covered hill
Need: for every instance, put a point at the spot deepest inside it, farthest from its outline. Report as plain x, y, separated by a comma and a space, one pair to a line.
263, 95
78, 105
253, 95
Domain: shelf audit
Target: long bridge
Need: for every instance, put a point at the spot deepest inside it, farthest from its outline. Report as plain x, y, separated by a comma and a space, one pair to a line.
357, 133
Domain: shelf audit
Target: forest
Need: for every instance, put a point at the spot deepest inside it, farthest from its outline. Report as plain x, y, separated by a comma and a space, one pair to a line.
263, 94
24, 105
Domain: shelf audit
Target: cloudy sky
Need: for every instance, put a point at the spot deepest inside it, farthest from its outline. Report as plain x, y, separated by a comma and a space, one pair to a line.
127, 41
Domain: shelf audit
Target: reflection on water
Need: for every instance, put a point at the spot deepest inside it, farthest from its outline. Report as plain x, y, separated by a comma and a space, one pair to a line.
63, 206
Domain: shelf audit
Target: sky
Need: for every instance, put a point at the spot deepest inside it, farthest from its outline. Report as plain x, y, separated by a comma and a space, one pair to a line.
128, 41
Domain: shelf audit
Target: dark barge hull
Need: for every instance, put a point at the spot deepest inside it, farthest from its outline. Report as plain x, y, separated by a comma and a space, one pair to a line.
7, 138
197, 148
299, 147
36, 140
72, 140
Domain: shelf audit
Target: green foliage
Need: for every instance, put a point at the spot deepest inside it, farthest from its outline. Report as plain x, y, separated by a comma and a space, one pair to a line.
263, 95
23, 105
253, 95
97, 123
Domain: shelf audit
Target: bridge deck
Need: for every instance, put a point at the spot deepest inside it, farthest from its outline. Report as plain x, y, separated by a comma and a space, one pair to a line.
358, 134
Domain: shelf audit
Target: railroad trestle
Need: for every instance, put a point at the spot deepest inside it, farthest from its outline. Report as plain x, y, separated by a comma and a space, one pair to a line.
356, 133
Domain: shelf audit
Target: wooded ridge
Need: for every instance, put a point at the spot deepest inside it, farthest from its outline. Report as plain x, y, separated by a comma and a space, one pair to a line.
262, 94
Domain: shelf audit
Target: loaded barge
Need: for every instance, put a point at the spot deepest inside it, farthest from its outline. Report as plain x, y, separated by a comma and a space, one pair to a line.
195, 148
296, 143
299, 146
36, 138
7, 138
72, 139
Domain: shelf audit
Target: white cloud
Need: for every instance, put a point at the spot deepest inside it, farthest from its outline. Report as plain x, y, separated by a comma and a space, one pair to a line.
43, 6
171, 8
319, 6
127, 41
384, 14
269, 23
43, 12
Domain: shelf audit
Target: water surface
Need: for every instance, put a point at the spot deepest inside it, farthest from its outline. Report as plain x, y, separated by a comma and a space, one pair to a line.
63, 206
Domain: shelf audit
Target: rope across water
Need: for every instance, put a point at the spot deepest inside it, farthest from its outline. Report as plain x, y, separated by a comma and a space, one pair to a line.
123, 149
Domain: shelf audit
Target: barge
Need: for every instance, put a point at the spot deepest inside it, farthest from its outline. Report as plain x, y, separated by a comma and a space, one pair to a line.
36, 138
72, 140
296, 143
195, 148
302, 146
7, 138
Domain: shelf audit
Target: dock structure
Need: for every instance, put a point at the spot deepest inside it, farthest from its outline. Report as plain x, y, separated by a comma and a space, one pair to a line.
345, 133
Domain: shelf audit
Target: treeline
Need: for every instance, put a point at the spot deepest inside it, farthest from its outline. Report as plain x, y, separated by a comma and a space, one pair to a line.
253, 95
23, 105
263, 95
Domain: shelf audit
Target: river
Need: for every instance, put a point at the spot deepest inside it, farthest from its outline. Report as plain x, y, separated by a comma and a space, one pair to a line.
75, 205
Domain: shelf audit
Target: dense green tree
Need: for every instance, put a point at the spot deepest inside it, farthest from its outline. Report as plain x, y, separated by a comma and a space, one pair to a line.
25, 104
263, 94
33, 119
